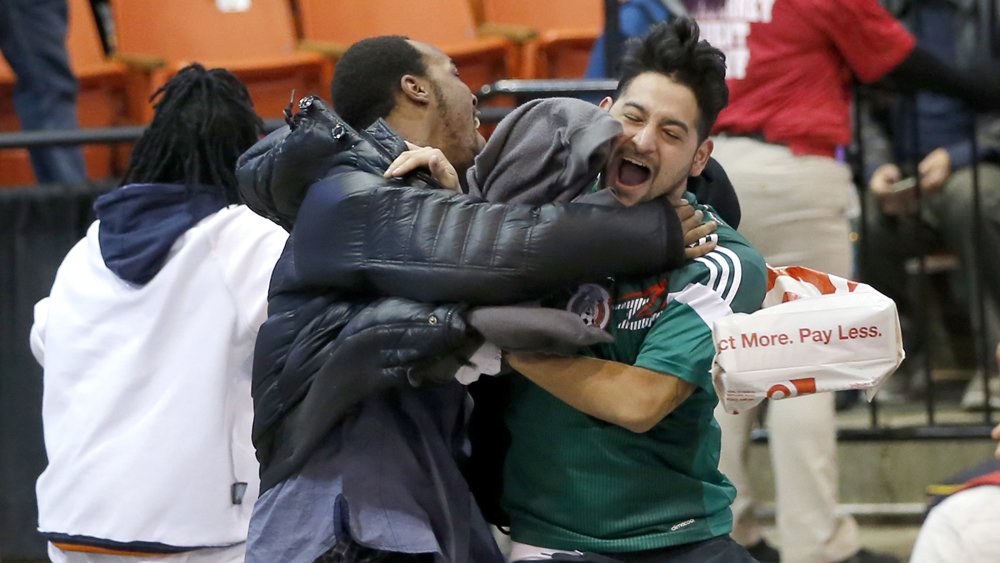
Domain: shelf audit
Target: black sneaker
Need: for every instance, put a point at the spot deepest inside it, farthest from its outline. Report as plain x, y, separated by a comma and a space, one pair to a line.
764, 552
865, 556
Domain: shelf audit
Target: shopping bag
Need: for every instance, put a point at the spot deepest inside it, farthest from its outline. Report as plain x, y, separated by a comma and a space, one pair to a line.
815, 333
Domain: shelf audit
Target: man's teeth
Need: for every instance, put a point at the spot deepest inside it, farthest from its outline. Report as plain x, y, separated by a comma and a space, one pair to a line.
475, 122
637, 163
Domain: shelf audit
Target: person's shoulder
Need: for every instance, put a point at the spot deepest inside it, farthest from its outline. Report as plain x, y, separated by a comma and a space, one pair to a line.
238, 226
734, 270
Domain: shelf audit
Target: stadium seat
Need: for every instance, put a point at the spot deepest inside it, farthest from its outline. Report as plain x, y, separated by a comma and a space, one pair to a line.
556, 36
333, 25
100, 102
254, 39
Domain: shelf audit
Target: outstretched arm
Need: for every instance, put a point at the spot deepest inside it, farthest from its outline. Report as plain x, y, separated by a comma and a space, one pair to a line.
360, 234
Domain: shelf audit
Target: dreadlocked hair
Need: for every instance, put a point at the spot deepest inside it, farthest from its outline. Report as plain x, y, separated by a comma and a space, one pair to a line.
675, 49
203, 121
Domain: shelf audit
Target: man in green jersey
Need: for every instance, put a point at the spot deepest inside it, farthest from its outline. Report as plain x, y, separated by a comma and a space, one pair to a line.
616, 454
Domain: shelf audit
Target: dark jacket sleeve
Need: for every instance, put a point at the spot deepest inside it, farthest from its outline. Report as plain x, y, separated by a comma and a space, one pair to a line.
433, 245
347, 353
713, 188
921, 70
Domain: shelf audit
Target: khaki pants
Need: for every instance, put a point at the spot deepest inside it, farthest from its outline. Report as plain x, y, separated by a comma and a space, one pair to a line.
795, 211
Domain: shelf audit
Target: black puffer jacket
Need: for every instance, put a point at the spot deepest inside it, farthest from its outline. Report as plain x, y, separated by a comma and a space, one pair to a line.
356, 235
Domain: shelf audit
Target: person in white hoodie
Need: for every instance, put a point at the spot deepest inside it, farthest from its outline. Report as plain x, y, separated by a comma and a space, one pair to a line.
146, 341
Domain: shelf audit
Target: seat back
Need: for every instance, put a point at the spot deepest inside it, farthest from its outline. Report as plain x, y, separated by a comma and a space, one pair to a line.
254, 39
567, 30
195, 30
440, 22
446, 24
547, 15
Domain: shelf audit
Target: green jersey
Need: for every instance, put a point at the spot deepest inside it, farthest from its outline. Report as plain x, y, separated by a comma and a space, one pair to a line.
575, 482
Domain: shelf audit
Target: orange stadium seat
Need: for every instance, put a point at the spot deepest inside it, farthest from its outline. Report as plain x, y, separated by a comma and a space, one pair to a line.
333, 25
556, 35
254, 39
100, 102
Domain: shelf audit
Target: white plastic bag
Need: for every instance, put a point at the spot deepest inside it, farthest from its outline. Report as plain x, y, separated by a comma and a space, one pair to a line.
816, 333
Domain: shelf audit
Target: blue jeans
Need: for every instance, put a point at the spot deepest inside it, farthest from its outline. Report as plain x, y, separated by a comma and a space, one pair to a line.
33, 40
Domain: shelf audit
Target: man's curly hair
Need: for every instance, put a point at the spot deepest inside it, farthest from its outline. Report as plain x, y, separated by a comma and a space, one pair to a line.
366, 79
675, 49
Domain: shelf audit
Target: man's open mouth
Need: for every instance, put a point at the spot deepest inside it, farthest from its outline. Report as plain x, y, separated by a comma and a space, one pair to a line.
632, 173
475, 120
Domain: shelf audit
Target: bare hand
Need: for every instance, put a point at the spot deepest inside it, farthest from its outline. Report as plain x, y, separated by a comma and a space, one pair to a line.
696, 232
934, 169
425, 157
891, 202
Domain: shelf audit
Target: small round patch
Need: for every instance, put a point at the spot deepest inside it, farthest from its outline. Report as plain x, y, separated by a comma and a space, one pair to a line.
593, 303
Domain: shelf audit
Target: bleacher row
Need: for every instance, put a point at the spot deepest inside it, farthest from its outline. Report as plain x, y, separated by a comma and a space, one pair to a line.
277, 46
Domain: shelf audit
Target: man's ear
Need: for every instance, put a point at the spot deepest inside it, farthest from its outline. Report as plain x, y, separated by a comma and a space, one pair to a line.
415, 89
606, 103
701, 156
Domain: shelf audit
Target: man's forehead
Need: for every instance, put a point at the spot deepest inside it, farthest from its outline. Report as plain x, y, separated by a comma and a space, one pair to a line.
657, 93
431, 53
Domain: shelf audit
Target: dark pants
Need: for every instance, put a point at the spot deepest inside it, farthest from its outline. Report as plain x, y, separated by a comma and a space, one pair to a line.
348, 551
716, 550
33, 40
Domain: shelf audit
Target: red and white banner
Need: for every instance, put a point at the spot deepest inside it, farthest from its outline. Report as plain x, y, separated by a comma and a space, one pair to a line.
815, 333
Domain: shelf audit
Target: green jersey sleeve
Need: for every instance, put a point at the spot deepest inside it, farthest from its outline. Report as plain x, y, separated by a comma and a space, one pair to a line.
730, 279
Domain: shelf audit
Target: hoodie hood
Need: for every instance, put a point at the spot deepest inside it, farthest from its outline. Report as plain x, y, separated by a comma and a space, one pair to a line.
547, 150
139, 224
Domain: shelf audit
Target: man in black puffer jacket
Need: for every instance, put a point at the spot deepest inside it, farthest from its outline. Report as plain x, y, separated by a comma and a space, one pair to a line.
360, 463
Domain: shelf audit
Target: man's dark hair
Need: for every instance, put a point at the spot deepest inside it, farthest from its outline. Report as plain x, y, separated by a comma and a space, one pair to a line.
674, 49
203, 121
366, 79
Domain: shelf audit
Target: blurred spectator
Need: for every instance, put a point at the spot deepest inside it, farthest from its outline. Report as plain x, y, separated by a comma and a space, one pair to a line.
791, 64
33, 40
932, 142
963, 527
635, 17
146, 341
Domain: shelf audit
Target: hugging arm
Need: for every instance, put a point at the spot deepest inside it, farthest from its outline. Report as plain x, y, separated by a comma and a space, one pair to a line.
431, 245
632, 397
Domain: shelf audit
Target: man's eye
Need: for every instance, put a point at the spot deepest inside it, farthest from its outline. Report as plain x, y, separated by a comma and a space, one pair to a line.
632, 118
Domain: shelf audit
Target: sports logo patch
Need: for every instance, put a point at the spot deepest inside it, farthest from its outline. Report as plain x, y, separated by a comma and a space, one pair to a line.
593, 303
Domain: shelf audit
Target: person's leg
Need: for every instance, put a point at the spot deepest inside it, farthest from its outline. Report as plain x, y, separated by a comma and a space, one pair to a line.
795, 211
962, 528
804, 457
33, 40
347, 550
952, 211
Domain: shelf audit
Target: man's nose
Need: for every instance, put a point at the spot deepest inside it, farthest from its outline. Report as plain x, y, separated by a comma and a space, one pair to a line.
475, 101
644, 139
